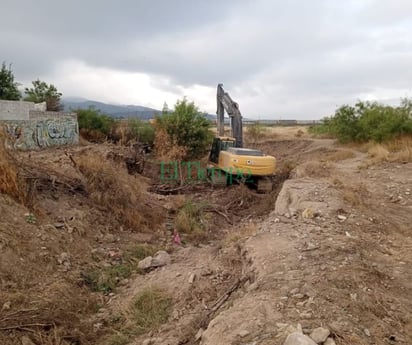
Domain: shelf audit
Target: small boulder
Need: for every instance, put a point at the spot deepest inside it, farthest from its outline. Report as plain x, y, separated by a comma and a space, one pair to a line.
192, 278
146, 263
320, 334
161, 258
329, 341
25, 340
199, 334
297, 338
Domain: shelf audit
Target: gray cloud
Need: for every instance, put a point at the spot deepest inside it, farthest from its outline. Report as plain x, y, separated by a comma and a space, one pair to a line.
277, 58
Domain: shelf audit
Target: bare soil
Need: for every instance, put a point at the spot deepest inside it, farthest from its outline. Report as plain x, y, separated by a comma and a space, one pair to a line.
331, 246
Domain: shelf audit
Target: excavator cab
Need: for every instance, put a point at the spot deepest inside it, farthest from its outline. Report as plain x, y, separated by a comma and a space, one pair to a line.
220, 144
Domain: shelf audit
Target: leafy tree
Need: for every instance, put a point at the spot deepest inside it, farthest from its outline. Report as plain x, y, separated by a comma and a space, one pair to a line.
8, 87
165, 108
368, 121
141, 131
93, 125
42, 92
186, 128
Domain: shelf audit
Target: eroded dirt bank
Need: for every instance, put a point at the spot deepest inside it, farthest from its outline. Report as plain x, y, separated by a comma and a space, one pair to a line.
332, 248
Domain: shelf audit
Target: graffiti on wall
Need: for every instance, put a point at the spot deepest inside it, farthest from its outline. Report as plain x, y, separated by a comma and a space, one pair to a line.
32, 134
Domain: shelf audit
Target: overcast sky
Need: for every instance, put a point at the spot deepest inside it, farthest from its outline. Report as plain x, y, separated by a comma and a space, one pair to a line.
295, 59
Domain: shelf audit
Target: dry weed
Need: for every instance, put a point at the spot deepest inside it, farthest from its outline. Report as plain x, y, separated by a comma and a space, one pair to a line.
378, 153
12, 182
394, 150
399, 144
352, 193
150, 309
403, 156
352, 197
401, 149
166, 149
299, 133
113, 188
338, 155
246, 230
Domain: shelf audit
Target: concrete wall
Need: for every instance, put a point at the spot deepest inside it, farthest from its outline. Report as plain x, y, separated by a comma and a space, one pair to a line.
43, 129
15, 110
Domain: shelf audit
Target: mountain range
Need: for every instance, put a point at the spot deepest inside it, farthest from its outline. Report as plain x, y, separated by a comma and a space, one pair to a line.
117, 111
114, 110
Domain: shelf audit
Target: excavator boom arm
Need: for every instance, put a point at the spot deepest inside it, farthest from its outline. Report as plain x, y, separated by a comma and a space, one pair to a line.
225, 103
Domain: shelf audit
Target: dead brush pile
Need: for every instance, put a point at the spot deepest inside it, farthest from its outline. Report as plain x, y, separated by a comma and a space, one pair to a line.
12, 181
45, 321
114, 189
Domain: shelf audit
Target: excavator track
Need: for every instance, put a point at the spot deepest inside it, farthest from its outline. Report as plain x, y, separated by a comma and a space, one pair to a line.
264, 185
217, 177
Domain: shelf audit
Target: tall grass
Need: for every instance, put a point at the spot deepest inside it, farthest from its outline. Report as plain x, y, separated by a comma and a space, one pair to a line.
395, 150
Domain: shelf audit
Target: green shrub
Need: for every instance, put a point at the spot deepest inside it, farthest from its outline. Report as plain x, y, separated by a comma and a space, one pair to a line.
105, 280
186, 127
367, 121
93, 124
140, 131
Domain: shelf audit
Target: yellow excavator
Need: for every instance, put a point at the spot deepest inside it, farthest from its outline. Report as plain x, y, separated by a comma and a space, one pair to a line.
229, 161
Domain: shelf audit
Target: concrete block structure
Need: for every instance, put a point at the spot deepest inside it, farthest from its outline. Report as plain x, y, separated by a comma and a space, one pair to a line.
28, 126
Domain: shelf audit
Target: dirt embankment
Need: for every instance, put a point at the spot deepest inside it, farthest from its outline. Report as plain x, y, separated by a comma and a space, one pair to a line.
335, 252
331, 248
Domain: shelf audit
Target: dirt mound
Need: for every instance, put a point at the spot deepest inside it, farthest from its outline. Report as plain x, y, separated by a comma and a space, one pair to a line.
344, 268
72, 230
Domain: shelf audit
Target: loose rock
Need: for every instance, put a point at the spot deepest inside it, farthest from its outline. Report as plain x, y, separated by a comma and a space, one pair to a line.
294, 291
161, 258
199, 334
25, 340
146, 263
192, 278
64, 257
329, 341
297, 338
320, 334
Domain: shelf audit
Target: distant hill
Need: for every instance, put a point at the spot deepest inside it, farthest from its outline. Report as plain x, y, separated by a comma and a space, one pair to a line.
117, 111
